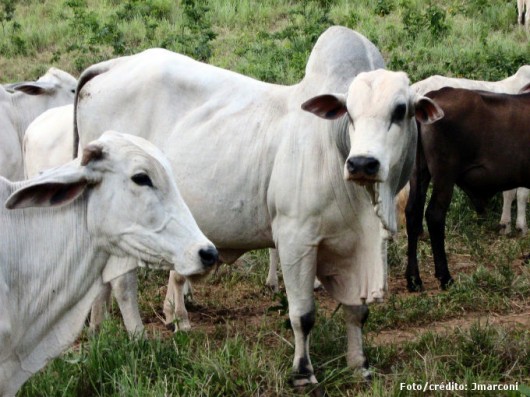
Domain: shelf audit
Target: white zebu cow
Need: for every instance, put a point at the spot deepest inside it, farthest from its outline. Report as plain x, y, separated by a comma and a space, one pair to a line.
258, 172
19, 108
121, 200
510, 85
523, 12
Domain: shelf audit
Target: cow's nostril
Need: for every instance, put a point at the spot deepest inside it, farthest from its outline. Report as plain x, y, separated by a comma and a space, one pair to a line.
350, 164
368, 166
372, 166
209, 256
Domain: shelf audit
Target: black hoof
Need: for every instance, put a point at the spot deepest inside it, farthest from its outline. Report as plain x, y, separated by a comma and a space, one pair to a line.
303, 381
415, 285
171, 327
446, 283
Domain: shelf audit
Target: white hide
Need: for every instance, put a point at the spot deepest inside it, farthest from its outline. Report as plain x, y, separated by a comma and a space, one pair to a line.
510, 85
522, 195
48, 141
54, 259
20, 103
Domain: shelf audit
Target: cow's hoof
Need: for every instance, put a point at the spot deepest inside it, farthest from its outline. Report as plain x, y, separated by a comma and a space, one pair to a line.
171, 327
301, 381
446, 283
367, 375
183, 326
415, 285
521, 231
503, 229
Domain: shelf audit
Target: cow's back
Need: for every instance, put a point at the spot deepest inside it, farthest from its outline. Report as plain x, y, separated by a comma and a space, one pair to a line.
483, 136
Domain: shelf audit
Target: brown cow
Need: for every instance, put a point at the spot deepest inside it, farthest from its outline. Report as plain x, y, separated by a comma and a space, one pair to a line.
482, 144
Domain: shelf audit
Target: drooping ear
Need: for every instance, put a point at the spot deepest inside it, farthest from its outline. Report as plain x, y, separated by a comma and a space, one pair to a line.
33, 87
525, 89
46, 194
329, 106
427, 111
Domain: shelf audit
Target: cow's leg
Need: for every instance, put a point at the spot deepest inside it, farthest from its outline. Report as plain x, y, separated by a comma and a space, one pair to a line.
527, 15
520, 11
522, 200
355, 317
299, 270
125, 290
272, 277
435, 216
100, 307
419, 184
505, 224
174, 305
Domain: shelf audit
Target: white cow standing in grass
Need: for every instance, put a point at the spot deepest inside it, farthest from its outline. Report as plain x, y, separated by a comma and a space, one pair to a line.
122, 200
258, 171
20, 103
510, 85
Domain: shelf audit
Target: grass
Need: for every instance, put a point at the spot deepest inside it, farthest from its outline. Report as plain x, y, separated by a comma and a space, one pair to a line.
241, 344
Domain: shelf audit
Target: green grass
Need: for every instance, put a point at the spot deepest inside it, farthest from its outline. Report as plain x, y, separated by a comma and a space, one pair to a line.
241, 344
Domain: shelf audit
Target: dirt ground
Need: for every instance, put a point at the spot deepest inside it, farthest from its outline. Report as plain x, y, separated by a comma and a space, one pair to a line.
246, 308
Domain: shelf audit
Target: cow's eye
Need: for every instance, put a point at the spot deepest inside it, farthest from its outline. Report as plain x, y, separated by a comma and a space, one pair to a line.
142, 179
399, 113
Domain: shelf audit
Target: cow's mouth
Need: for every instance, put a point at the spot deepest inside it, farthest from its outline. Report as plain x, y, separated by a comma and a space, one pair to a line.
362, 179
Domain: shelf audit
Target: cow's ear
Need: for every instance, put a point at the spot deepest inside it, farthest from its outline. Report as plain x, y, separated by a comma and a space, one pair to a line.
327, 106
32, 87
49, 191
525, 89
92, 152
427, 111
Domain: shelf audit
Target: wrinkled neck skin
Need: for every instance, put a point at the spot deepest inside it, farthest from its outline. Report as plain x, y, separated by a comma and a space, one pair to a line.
47, 290
27, 108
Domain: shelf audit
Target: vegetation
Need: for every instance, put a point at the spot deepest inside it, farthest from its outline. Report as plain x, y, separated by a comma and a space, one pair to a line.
241, 344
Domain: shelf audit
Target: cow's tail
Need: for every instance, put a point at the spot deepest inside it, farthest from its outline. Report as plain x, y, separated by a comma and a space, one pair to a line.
87, 75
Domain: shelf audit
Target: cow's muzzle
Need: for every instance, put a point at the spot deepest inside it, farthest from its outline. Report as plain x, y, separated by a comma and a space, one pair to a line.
209, 256
363, 169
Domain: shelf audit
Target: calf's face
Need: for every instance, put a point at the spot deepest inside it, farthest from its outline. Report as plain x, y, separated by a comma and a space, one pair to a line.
134, 207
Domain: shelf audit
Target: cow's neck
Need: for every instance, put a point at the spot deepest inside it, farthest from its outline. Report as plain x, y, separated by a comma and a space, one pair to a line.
53, 283
26, 109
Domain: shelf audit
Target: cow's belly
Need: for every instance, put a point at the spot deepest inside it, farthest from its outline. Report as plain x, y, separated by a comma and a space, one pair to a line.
224, 183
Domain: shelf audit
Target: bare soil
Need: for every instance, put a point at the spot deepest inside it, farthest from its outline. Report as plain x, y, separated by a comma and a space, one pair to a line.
246, 309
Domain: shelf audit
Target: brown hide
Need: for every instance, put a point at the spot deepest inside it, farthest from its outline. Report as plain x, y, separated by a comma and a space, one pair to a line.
482, 145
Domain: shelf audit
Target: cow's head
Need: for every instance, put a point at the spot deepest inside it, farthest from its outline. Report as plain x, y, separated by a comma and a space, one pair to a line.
382, 112
134, 207
55, 88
